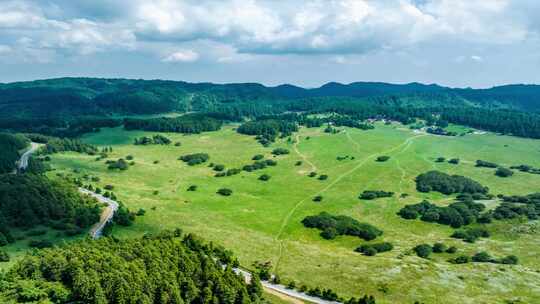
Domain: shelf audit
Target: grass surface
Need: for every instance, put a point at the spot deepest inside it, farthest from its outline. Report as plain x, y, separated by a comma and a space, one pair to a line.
261, 221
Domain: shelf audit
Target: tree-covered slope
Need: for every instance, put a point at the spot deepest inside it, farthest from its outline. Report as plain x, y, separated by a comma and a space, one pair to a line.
155, 269
10, 145
94, 96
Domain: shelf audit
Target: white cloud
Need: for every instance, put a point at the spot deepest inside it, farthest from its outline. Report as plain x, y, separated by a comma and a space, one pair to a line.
182, 56
4, 49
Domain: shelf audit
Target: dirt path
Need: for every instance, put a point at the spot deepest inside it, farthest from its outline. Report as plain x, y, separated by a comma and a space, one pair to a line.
285, 221
304, 158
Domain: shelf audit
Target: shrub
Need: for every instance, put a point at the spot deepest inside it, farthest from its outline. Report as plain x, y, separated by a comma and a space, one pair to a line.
312, 174
129, 157
323, 177
109, 187
280, 151
373, 194
439, 248
504, 172
4, 257
195, 158
470, 235
482, 257
510, 259
225, 191
440, 160
451, 249
192, 188
264, 177
423, 250
373, 249
485, 164
298, 163
462, 259
120, 164
257, 157
318, 198
219, 168
40, 244
141, 212
454, 161
382, 158
233, 171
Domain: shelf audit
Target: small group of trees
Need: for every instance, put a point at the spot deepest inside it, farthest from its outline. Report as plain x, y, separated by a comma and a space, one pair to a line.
470, 235
267, 130
373, 249
264, 177
259, 164
195, 158
280, 151
484, 257
425, 250
448, 184
440, 131
119, 164
486, 164
453, 161
229, 172
456, 214
526, 169
154, 140
373, 194
332, 226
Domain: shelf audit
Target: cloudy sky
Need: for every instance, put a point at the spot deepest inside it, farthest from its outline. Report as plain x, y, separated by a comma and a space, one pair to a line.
476, 43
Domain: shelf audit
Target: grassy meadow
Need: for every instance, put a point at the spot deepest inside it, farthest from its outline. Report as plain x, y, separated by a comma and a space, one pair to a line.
261, 220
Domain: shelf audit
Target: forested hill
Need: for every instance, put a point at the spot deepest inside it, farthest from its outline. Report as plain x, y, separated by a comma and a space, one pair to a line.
93, 96
163, 268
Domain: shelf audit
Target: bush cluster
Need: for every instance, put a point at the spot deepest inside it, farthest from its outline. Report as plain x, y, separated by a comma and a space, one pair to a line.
335, 225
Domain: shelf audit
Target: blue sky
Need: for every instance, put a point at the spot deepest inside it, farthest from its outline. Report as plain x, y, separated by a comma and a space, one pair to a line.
478, 43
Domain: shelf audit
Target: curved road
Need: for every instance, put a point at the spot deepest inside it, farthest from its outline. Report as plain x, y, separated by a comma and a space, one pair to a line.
107, 214
293, 294
23, 162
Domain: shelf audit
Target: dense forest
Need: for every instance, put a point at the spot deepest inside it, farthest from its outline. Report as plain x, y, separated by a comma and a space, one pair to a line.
29, 200
68, 107
190, 123
163, 268
10, 145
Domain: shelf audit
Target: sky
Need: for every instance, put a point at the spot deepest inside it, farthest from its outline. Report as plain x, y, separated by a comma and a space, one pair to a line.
458, 43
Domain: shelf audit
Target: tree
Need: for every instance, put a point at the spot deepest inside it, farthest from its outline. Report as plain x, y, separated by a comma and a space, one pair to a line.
382, 158
4, 256
225, 191
482, 257
423, 250
264, 177
439, 248
503, 172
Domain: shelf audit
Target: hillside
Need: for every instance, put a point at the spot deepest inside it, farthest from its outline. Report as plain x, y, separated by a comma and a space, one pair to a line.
93, 96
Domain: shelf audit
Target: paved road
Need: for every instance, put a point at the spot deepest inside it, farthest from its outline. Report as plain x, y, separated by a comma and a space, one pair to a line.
283, 290
23, 162
106, 216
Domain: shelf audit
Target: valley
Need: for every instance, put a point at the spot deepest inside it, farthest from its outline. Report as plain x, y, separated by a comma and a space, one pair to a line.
261, 220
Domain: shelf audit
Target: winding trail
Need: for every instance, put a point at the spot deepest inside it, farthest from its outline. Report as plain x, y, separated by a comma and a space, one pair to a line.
287, 218
304, 158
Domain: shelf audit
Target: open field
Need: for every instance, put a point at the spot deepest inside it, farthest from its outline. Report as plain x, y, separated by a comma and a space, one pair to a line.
260, 221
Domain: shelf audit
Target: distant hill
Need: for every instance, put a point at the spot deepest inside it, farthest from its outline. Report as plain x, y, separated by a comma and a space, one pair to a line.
95, 96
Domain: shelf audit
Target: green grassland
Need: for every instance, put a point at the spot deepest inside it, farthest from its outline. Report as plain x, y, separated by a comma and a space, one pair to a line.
261, 221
